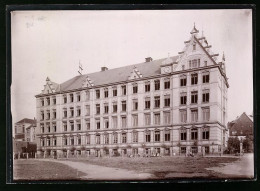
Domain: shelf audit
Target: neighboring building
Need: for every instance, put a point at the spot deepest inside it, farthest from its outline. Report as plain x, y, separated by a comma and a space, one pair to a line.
171, 105
241, 127
25, 130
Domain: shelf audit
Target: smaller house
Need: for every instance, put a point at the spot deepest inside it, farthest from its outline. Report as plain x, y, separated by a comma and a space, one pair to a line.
25, 130
241, 127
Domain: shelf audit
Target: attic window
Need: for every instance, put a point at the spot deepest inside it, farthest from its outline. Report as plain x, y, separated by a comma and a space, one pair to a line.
194, 46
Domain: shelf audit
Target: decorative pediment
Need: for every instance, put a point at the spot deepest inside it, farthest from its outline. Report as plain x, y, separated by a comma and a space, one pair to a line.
50, 87
135, 74
87, 82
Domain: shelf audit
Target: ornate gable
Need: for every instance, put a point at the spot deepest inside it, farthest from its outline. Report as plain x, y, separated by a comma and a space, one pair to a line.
135, 74
196, 53
87, 82
50, 87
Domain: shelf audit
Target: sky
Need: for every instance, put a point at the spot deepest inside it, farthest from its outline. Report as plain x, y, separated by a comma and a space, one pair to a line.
52, 43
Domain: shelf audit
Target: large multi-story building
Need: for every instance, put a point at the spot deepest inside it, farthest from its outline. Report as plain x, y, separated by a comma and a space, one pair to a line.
169, 106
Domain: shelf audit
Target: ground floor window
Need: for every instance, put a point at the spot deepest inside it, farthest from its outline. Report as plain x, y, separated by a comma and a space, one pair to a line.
194, 149
78, 152
88, 152
183, 150
135, 151
147, 151
167, 151
207, 150
157, 150
124, 151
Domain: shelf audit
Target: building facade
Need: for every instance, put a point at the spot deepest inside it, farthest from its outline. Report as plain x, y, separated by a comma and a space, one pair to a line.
168, 106
24, 130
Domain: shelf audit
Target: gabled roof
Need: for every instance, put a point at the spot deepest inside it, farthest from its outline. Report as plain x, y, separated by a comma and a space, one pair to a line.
26, 120
115, 75
243, 124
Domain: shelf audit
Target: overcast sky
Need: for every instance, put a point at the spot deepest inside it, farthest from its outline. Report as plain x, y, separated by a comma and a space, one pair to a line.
51, 43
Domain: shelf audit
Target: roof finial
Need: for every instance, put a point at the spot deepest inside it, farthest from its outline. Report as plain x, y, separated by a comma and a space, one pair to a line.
194, 25
168, 54
223, 56
80, 68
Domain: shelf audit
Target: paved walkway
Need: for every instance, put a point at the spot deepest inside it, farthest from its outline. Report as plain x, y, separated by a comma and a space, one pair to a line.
96, 172
244, 167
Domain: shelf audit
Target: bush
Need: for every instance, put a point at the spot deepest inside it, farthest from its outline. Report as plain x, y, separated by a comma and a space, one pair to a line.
233, 145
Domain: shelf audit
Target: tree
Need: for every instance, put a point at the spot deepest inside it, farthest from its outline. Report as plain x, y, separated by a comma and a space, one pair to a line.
248, 144
233, 144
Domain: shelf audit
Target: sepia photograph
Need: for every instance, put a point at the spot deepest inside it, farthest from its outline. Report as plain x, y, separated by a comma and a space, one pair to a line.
132, 95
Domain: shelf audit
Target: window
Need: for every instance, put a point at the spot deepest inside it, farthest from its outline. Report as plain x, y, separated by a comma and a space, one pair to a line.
48, 142
98, 124
114, 91
71, 125
167, 118
194, 134
205, 96
183, 67
183, 116
167, 135
42, 102
157, 118
54, 114
167, 101
124, 138
194, 97
205, 133
78, 111
88, 125
97, 139
79, 140
157, 101
87, 95
194, 63
106, 123
135, 104
123, 105
183, 80
72, 140
124, 122
71, 98
205, 63
54, 100
114, 120
48, 100
147, 136
88, 139
205, 114
115, 107
42, 115
157, 85
106, 108
123, 90
183, 98
78, 97
167, 83
147, 86
42, 142
64, 98
97, 94
194, 79
78, 126
115, 138
183, 134
97, 108
48, 114
87, 110
64, 113
147, 103
54, 127
135, 137
54, 141
147, 118
183, 150
194, 46
65, 126
157, 136
194, 115
71, 112
106, 138
135, 88
42, 128
135, 120
205, 77
106, 92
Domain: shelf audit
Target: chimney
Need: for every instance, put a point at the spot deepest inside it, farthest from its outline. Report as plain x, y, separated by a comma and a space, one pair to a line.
104, 68
148, 59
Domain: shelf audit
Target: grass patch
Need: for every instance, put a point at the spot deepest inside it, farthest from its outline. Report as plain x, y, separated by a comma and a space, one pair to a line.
44, 170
